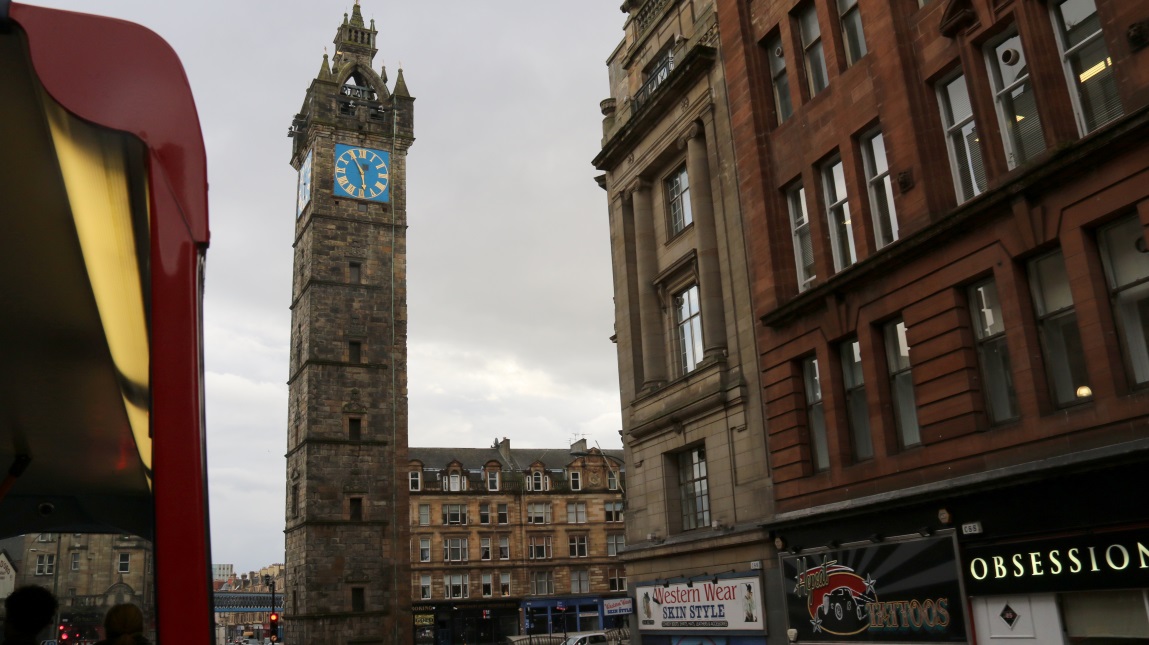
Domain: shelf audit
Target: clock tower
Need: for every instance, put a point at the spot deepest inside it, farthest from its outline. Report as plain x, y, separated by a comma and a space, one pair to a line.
348, 577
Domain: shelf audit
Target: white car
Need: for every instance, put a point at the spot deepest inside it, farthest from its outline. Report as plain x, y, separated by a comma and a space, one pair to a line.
589, 638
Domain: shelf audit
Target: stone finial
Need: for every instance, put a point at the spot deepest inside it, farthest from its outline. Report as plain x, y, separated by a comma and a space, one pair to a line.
383, 73
356, 15
324, 69
401, 85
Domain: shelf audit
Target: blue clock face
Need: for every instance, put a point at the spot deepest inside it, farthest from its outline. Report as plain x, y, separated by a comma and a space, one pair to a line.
362, 173
304, 195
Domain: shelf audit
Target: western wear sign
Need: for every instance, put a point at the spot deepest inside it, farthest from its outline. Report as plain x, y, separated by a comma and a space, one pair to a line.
730, 604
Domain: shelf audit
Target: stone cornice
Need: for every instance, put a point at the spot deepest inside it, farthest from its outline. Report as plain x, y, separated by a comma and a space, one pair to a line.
336, 442
330, 363
697, 62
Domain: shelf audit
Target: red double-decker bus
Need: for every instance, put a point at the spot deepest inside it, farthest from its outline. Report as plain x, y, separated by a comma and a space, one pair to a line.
103, 233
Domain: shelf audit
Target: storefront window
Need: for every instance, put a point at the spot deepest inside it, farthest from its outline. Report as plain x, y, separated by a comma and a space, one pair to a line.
1106, 616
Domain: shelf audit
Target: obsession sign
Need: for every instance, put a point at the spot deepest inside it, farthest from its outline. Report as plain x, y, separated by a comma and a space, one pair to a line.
1107, 561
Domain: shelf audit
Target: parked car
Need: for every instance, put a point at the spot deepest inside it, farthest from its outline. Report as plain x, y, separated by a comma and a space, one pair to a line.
588, 638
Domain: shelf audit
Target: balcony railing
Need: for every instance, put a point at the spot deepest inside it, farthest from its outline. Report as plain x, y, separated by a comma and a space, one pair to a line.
657, 76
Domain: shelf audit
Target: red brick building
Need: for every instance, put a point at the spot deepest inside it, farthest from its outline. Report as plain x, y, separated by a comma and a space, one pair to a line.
945, 206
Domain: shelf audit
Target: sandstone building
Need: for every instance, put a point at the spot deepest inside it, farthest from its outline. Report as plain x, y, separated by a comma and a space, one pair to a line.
89, 573
515, 541
347, 568
945, 206
699, 484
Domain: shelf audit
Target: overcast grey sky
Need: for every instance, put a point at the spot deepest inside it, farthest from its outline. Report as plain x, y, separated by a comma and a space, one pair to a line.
509, 282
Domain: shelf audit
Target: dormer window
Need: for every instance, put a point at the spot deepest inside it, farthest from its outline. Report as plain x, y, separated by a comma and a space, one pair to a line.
576, 480
416, 479
455, 482
611, 480
492, 480
539, 481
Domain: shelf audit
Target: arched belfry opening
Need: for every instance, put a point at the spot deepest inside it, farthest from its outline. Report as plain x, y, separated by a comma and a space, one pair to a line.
358, 86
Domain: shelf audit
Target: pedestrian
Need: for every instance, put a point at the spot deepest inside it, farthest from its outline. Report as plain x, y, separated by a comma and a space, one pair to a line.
29, 610
124, 625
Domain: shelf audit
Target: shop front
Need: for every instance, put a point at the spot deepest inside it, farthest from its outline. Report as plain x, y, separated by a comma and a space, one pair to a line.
571, 614
896, 591
1086, 586
473, 623
720, 610
1056, 559
424, 618
1059, 561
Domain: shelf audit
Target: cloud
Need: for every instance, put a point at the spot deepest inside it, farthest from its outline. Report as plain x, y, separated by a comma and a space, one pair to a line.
456, 392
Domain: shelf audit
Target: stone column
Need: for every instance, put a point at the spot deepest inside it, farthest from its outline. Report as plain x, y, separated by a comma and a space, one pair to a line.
650, 316
709, 272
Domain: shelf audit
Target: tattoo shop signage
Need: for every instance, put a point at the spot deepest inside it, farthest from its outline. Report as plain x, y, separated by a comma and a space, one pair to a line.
733, 604
893, 592
1085, 562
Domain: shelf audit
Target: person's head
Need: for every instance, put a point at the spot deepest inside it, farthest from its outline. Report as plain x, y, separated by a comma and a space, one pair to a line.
123, 620
30, 609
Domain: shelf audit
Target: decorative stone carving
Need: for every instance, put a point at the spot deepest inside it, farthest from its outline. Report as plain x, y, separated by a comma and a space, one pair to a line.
959, 15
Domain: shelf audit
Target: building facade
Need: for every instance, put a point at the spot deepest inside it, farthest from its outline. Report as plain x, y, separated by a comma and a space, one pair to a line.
222, 572
515, 541
945, 203
89, 573
243, 603
347, 408
699, 482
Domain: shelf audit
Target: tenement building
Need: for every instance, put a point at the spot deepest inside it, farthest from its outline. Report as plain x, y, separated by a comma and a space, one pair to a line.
516, 541
945, 204
346, 560
699, 484
89, 573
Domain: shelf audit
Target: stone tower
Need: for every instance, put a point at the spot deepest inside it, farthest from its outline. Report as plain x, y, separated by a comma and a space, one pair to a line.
348, 578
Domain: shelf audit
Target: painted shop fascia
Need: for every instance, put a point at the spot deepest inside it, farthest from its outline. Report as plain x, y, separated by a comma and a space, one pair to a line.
898, 591
1118, 560
722, 605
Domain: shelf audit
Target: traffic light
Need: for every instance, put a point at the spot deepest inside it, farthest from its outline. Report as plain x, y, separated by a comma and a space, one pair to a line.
273, 626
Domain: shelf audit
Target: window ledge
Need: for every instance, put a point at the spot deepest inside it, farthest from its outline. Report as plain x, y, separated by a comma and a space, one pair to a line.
684, 399
1050, 169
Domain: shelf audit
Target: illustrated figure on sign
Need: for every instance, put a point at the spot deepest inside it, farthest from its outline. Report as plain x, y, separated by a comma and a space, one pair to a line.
646, 600
748, 598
